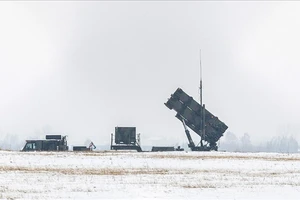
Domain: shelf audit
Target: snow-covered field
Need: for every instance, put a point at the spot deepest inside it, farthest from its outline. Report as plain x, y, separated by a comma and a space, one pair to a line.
131, 175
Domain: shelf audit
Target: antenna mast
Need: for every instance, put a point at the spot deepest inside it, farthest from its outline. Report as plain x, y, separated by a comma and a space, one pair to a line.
202, 106
200, 80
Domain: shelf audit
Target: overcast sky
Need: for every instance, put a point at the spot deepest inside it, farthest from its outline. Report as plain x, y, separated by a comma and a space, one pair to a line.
82, 68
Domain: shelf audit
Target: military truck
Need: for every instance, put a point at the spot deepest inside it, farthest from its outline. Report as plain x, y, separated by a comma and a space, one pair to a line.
51, 143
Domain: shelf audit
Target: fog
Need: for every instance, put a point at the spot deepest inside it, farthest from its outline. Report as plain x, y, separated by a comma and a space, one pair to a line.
82, 68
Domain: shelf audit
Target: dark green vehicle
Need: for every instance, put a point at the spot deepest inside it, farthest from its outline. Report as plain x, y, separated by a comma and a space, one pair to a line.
51, 143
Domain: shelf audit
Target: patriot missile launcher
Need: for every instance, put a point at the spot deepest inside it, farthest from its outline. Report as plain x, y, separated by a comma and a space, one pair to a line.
197, 118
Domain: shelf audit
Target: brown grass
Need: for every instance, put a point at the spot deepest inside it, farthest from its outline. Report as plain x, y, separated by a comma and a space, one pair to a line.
239, 156
81, 153
143, 171
83, 171
193, 186
230, 157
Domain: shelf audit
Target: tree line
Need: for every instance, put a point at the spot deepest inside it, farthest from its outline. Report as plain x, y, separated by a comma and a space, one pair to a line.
280, 144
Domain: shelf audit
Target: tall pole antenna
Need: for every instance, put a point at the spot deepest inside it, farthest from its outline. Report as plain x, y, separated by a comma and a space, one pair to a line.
202, 106
200, 80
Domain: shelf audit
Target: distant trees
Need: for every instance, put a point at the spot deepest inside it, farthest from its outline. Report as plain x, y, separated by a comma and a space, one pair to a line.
11, 142
229, 143
281, 144
246, 145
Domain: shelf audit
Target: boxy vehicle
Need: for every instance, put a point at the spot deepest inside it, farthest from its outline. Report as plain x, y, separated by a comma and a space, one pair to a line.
51, 143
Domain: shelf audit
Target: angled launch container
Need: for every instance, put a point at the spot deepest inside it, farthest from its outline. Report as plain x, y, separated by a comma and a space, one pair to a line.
197, 118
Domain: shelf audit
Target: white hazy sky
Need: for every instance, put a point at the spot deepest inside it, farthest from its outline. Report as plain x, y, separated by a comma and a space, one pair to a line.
82, 68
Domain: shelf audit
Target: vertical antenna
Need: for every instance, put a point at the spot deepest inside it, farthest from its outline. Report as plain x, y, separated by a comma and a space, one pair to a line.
202, 106
200, 80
